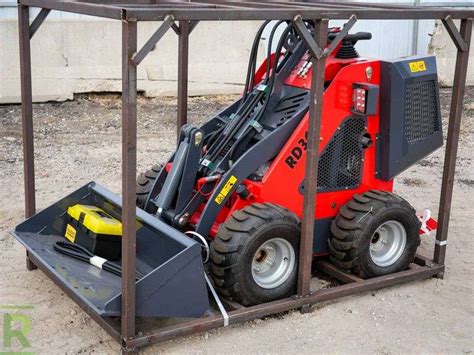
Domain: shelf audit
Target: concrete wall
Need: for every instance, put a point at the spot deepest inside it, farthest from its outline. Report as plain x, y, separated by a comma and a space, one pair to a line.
76, 56
82, 55
443, 47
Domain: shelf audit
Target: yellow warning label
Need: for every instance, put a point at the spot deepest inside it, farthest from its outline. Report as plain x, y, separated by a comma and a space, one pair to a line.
416, 67
70, 233
225, 190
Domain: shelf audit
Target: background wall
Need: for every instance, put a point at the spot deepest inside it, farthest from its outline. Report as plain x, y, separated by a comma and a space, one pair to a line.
76, 54
83, 55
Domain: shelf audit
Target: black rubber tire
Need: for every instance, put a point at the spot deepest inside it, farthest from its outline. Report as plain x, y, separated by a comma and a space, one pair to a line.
236, 243
145, 182
356, 223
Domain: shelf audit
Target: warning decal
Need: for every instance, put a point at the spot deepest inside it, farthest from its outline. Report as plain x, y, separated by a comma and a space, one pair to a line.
225, 190
416, 67
70, 233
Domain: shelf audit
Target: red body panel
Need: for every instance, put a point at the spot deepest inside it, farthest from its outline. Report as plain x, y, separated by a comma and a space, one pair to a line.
281, 183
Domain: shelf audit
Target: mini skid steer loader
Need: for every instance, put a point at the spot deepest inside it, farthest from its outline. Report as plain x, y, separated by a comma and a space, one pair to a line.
237, 180
235, 185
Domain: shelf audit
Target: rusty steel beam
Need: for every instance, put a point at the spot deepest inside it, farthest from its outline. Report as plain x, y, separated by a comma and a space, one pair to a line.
27, 110
309, 13
232, 305
217, 4
156, 11
78, 7
345, 5
332, 270
192, 26
30, 265
305, 35
175, 28
27, 117
455, 115
254, 4
129, 168
340, 36
453, 32
153, 40
244, 314
38, 21
183, 73
423, 260
312, 157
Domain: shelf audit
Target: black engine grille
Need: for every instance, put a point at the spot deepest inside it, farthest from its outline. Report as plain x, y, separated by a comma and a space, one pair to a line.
340, 164
421, 111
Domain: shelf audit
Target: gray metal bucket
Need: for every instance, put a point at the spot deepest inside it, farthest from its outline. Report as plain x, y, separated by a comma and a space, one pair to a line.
173, 285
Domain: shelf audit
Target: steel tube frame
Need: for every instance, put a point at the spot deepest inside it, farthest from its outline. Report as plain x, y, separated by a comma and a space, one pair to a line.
266, 309
193, 11
27, 110
27, 116
183, 72
154, 39
156, 11
449, 167
312, 157
129, 168
38, 21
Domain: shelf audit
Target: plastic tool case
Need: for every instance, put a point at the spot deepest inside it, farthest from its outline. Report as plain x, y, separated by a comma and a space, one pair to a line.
94, 229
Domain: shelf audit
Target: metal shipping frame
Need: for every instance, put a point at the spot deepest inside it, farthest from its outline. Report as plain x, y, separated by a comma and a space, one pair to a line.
182, 17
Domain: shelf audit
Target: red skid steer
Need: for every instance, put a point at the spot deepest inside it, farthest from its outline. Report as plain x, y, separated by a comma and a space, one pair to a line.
229, 199
237, 180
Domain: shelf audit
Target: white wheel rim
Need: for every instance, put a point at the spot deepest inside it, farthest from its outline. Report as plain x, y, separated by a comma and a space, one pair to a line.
273, 263
388, 243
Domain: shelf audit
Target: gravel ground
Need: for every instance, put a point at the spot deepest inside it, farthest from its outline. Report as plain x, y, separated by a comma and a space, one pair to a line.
79, 141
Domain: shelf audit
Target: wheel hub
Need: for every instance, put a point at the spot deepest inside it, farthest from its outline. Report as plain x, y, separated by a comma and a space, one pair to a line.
388, 243
273, 263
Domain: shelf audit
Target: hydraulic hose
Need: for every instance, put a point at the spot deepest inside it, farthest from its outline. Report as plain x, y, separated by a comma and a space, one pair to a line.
249, 103
253, 61
79, 252
271, 81
235, 125
270, 44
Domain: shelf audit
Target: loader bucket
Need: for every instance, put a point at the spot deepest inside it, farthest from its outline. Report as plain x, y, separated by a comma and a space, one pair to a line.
173, 285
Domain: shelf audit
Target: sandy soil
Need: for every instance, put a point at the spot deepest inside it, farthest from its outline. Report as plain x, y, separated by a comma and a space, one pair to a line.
79, 141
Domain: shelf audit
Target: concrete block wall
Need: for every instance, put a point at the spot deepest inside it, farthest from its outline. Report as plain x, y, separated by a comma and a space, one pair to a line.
77, 56
82, 55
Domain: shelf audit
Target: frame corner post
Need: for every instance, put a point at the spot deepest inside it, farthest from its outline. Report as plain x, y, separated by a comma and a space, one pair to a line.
30, 265
455, 115
129, 166
27, 109
27, 116
183, 72
311, 169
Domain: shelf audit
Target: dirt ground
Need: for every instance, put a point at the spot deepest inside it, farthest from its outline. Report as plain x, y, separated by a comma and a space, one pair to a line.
79, 141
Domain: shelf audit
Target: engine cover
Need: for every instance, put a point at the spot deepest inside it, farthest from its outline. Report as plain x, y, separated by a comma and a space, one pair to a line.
410, 117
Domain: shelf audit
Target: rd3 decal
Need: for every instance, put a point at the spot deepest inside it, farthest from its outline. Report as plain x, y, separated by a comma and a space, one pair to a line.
296, 152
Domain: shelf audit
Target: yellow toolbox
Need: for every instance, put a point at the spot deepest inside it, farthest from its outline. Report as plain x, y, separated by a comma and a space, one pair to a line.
94, 229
